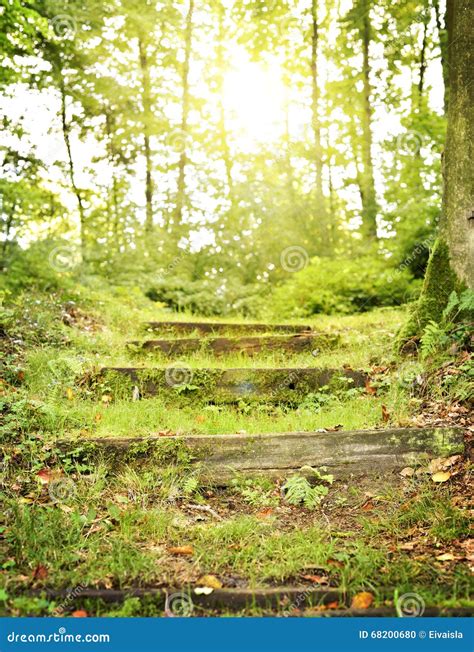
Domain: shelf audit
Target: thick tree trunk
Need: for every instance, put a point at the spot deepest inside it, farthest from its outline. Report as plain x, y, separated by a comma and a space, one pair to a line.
369, 199
451, 264
184, 114
146, 102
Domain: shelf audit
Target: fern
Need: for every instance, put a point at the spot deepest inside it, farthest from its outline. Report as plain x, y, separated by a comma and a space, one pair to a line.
466, 302
298, 491
189, 486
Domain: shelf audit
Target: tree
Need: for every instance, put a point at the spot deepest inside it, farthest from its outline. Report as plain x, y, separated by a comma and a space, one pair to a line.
451, 263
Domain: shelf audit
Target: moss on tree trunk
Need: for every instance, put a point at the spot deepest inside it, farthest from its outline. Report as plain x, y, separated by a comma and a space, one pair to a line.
451, 263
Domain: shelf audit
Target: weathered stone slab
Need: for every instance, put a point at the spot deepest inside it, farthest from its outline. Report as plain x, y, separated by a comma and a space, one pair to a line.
224, 327
281, 599
230, 385
248, 345
218, 458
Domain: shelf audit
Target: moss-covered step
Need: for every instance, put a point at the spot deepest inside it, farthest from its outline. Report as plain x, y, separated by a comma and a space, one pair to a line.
229, 385
223, 327
190, 600
247, 345
189, 597
217, 459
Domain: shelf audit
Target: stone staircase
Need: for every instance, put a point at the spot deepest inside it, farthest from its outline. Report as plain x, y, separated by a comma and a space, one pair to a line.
217, 459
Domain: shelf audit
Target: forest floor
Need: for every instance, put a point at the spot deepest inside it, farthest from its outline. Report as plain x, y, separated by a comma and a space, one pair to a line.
114, 528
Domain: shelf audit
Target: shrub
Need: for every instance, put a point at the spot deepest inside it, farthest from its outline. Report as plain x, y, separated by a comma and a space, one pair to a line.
344, 286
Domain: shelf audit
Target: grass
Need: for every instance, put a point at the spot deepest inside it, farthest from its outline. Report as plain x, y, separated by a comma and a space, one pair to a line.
116, 528
119, 532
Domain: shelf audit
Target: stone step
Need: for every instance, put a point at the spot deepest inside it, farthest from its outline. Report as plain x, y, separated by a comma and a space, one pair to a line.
285, 385
218, 458
248, 345
284, 600
224, 327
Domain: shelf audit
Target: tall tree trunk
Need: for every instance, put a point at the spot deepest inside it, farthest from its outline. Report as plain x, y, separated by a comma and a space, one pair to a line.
72, 171
421, 79
184, 114
369, 200
315, 94
451, 263
443, 46
222, 126
147, 115
290, 181
8, 227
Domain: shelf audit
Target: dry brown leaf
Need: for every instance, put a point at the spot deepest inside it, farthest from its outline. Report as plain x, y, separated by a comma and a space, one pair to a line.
407, 472
369, 388
385, 414
335, 562
441, 476
40, 572
316, 579
181, 550
409, 545
44, 476
446, 556
264, 513
362, 600
210, 581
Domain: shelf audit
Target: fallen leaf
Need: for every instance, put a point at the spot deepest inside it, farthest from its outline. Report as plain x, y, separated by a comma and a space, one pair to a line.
40, 572
264, 513
362, 600
446, 556
385, 414
200, 418
369, 388
335, 562
441, 476
316, 579
407, 472
409, 545
98, 417
44, 476
210, 581
332, 605
69, 394
181, 550
79, 613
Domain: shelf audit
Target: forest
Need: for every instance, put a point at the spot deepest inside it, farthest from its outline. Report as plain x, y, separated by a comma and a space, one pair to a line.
236, 307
